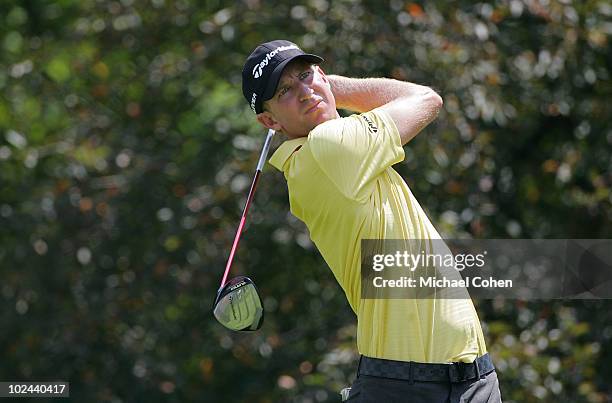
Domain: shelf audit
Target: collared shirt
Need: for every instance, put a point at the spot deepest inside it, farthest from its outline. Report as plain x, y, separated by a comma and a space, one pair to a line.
342, 186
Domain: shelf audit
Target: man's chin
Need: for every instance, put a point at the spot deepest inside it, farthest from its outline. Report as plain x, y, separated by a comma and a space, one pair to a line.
324, 117
321, 118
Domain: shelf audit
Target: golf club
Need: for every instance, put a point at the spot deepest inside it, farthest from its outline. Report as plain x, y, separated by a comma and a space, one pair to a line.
238, 305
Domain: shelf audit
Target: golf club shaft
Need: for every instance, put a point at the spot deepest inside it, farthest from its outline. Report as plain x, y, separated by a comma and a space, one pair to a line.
260, 164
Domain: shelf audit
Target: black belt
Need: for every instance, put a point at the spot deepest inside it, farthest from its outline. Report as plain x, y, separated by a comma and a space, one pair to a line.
425, 372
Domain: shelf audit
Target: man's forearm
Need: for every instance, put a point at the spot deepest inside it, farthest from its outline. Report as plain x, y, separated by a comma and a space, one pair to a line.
365, 94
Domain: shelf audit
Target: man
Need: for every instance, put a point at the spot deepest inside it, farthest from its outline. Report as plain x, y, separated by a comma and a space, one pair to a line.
342, 186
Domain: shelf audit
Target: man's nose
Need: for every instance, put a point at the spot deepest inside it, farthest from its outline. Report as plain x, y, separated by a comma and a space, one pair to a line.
305, 92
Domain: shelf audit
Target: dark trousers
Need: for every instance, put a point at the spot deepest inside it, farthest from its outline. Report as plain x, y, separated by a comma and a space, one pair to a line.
373, 389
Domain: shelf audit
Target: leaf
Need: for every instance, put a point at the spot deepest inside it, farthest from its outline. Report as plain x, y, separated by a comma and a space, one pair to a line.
58, 69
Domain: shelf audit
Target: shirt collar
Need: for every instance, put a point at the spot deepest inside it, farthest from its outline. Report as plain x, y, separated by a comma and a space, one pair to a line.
282, 154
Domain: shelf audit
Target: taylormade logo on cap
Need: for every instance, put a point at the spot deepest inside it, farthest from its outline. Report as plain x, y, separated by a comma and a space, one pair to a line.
258, 69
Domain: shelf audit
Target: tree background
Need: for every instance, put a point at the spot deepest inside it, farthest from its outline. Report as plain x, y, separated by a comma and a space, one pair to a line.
127, 149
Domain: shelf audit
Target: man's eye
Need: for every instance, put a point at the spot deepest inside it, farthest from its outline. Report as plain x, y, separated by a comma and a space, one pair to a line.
283, 91
304, 75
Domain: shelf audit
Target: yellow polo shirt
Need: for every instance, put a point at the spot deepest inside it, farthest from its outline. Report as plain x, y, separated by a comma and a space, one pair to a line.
342, 186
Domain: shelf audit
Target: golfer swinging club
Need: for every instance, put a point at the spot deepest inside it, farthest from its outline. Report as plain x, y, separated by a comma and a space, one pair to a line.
342, 186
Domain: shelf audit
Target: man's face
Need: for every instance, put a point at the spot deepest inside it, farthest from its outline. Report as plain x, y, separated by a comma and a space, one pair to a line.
303, 100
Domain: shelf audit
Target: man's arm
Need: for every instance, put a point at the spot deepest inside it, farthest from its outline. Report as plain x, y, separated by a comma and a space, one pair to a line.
411, 106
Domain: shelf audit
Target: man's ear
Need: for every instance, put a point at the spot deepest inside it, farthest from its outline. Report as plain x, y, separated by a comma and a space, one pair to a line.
267, 120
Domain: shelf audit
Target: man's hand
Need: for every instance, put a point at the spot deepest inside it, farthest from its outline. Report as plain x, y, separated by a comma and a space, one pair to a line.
411, 106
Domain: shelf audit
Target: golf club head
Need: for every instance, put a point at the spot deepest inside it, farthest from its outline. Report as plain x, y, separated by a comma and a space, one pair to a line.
238, 305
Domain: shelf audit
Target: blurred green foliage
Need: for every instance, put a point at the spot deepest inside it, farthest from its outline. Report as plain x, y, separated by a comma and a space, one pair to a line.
126, 151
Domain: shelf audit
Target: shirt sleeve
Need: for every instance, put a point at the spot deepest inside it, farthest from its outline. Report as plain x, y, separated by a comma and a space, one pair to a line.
354, 151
